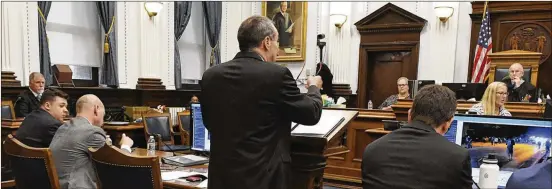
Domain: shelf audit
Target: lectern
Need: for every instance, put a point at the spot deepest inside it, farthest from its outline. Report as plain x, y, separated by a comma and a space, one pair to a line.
308, 144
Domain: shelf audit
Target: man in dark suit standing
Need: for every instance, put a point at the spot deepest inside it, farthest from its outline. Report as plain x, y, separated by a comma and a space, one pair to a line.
39, 127
29, 100
417, 155
248, 105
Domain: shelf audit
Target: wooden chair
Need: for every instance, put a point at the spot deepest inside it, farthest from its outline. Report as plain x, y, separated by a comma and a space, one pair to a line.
160, 124
185, 127
37, 160
116, 168
501, 62
7, 110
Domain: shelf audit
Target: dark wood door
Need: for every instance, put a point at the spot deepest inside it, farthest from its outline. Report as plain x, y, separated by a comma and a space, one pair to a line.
384, 69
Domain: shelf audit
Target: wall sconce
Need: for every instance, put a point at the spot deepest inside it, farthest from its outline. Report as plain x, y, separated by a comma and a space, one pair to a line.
340, 20
444, 13
152, 8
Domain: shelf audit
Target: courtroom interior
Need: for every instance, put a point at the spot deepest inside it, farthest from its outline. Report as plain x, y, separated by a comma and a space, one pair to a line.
201, 94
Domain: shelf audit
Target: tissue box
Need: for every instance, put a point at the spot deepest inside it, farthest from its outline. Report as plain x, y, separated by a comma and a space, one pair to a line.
338, 106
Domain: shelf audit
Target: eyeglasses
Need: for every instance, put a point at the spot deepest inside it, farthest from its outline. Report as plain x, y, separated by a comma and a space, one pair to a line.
502, 93
402, 85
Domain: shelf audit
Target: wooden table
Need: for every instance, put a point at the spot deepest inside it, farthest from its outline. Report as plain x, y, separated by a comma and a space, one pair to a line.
175, 184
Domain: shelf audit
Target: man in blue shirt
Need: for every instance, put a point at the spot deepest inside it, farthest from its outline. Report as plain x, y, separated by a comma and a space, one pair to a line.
535, 177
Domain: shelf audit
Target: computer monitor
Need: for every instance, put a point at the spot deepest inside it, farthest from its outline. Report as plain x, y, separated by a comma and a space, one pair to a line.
416, 85
201, 138
517, 143
466, 91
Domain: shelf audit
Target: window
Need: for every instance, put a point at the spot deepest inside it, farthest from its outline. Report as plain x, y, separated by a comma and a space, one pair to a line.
75, 34
192, 45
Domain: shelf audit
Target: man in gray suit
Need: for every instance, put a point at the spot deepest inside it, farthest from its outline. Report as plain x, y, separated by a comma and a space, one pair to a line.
71, 142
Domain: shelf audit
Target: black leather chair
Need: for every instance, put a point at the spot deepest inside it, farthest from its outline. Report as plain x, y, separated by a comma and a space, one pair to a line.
157, 124
7, 110
118, 169
185, 127
32, 167
502, 73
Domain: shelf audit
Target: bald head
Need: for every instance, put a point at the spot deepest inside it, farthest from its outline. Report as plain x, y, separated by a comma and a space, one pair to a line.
92, 108
516, 71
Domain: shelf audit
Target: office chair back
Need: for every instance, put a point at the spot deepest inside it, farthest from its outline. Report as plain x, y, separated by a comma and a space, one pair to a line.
32, 167
158, 123
184, 124
118, 169
7, 110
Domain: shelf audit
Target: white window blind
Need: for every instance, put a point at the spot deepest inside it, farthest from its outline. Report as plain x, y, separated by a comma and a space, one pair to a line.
75, 34
192, 45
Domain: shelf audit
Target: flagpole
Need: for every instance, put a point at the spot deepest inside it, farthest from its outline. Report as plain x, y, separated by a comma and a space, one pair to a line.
482, 18
484, 10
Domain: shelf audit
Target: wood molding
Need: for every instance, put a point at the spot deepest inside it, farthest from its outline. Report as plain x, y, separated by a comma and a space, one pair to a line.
509, 16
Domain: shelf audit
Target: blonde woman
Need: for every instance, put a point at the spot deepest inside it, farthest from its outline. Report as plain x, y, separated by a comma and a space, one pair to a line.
493, 101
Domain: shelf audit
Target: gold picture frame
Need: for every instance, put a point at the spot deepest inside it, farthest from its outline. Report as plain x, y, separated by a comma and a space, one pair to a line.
293, 42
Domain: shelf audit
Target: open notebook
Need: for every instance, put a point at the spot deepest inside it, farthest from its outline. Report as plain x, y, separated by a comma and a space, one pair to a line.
328, 122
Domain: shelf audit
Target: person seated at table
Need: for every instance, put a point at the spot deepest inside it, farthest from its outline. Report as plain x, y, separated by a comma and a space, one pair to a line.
29, 100
72, 140
402, 85
417, 155
493, 101
39, 127
519, 90
537, 176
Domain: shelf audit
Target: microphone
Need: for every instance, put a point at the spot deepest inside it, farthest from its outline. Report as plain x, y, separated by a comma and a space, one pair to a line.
161, 140
308, 72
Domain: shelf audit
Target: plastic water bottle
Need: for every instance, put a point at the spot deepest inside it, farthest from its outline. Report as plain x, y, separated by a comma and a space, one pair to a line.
151, 145
488, 172
108, 140
370, 105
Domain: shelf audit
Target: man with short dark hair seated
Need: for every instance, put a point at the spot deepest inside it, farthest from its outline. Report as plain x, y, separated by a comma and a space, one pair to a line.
418, 155
39, 127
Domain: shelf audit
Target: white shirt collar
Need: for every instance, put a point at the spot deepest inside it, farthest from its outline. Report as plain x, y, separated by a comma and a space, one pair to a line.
34, 93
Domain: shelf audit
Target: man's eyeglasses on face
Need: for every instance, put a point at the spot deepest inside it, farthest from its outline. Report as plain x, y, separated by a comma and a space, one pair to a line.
402, 85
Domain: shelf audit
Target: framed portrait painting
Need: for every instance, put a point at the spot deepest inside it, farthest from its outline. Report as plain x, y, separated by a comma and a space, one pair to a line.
290, 19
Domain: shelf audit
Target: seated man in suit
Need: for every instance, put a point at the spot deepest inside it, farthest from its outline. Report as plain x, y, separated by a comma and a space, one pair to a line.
72, 140
417, 155
534, 177
39, 127
519, 90
29, 100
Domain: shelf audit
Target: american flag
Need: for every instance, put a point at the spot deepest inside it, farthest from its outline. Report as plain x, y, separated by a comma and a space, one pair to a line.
484, 46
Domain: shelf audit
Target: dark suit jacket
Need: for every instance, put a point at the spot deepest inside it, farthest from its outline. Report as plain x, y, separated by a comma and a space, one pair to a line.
248, 106
38, 129
26, 103
535, 177
415, 156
